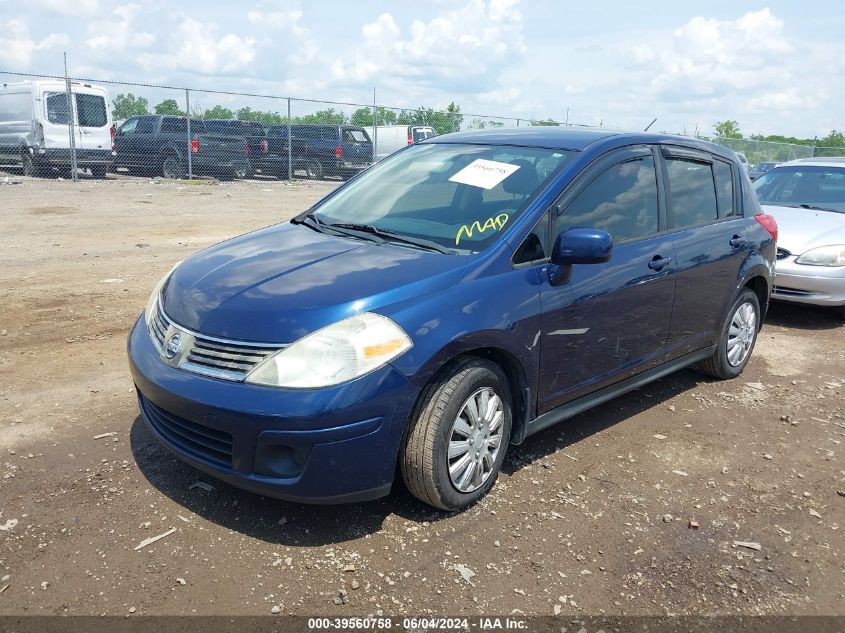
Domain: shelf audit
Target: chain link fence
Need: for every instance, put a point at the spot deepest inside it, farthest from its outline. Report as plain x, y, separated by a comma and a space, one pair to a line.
74, 127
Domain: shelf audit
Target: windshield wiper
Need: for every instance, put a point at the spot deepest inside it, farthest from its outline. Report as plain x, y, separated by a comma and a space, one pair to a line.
810, 207
815, 208
312, 221
392, 236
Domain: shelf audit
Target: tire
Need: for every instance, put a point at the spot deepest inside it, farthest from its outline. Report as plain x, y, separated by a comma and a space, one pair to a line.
440, 426
172, 166
28, 164
99, 171
737, 340
314, 169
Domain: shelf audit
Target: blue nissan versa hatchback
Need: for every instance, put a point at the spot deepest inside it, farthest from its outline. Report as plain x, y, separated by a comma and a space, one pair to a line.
451, 300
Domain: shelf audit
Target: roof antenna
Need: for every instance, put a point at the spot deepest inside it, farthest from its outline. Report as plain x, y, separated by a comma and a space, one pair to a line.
650, 124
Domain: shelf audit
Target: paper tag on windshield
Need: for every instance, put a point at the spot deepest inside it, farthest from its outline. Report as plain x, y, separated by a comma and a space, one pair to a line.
484, 173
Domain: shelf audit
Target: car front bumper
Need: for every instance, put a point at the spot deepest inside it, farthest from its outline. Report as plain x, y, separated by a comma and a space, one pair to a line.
817, 285
331, 445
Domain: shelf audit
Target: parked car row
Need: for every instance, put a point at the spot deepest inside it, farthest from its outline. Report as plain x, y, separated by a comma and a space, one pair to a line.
34, 132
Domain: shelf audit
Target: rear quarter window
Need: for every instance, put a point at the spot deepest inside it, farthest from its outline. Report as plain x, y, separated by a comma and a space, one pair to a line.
723, 173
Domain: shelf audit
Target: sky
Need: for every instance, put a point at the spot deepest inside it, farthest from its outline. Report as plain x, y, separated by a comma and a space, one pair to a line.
776, 67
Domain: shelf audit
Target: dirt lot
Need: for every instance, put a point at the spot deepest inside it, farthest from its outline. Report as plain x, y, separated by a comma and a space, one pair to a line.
589, 517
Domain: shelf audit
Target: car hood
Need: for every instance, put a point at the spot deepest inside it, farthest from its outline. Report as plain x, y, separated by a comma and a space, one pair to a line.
283, 282
799, 230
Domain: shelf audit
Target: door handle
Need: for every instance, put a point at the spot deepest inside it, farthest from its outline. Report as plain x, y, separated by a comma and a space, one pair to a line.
737, 241
659, 262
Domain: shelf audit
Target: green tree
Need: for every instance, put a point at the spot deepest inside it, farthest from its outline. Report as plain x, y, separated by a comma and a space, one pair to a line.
329, 115
727, 129
364, 117
218, 112
545, 122
127, 105
169, 106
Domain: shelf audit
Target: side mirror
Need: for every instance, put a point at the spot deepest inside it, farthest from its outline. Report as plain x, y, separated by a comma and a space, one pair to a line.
578, 246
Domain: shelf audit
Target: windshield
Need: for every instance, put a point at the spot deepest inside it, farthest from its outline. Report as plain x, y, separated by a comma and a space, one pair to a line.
457, 196
812, 186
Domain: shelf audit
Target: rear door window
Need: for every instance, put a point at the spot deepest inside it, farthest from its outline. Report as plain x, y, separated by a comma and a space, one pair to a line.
328, 134
422, 133
91, 110
56, 104
622, 201
692, 193
146, 125
173, 124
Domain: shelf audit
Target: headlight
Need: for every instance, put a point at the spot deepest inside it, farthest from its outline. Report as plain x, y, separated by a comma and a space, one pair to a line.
824, 256
336, 353
151, 302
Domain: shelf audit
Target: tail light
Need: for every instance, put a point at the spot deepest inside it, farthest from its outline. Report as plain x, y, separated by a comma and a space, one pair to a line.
410, 139
263, 147
246, 149
769, 223
111, 133
338, 151
195, 145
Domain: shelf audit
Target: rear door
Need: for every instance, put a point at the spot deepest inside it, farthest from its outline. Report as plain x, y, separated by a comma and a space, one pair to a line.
93, 121
54, 117
710, 244
609, 321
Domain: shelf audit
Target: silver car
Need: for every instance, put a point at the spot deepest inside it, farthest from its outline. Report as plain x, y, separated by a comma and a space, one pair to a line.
807, 198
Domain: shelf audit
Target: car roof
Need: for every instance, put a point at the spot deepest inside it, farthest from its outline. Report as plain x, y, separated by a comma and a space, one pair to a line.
833, 161
569, 138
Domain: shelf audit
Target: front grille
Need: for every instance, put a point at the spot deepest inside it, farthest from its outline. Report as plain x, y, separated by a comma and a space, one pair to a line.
190, 437
209, 355
783, 253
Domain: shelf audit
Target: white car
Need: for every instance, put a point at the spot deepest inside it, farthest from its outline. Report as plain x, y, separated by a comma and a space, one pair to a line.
807, 198
35, 129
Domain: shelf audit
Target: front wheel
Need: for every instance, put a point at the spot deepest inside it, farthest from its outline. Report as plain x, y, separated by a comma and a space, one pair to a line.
29, 166
739, 334
99, 171
457, 440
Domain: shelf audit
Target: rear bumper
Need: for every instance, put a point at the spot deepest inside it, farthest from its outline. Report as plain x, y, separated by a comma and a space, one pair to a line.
816, 285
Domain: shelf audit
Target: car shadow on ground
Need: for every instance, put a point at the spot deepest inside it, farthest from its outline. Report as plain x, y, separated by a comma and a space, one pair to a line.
285, 523
803, 316
576, 429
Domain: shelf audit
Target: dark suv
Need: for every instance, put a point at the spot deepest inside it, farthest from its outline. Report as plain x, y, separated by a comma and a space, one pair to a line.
330, 150
459, 296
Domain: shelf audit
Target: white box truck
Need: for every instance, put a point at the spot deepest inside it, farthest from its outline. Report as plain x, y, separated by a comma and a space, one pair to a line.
34, 118
390, 138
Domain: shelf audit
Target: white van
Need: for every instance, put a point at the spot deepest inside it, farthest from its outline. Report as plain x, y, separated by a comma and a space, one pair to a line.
34, 126
390, 138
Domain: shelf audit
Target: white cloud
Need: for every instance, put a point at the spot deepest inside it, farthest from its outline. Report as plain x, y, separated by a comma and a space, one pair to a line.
70, 8
17, 48
119, 33
465, 46
278, 14
194, 46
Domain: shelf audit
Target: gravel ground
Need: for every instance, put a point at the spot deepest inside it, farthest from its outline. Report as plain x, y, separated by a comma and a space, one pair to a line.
592, 516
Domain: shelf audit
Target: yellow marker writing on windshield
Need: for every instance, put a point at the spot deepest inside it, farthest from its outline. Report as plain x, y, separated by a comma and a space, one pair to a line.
491, 223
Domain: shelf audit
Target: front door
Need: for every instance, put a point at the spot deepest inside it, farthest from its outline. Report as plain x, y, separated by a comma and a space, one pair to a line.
608, 321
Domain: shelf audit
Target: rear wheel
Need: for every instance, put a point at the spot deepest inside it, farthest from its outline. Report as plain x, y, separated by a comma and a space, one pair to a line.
739, 334
314, 169
172, 166
457, 440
